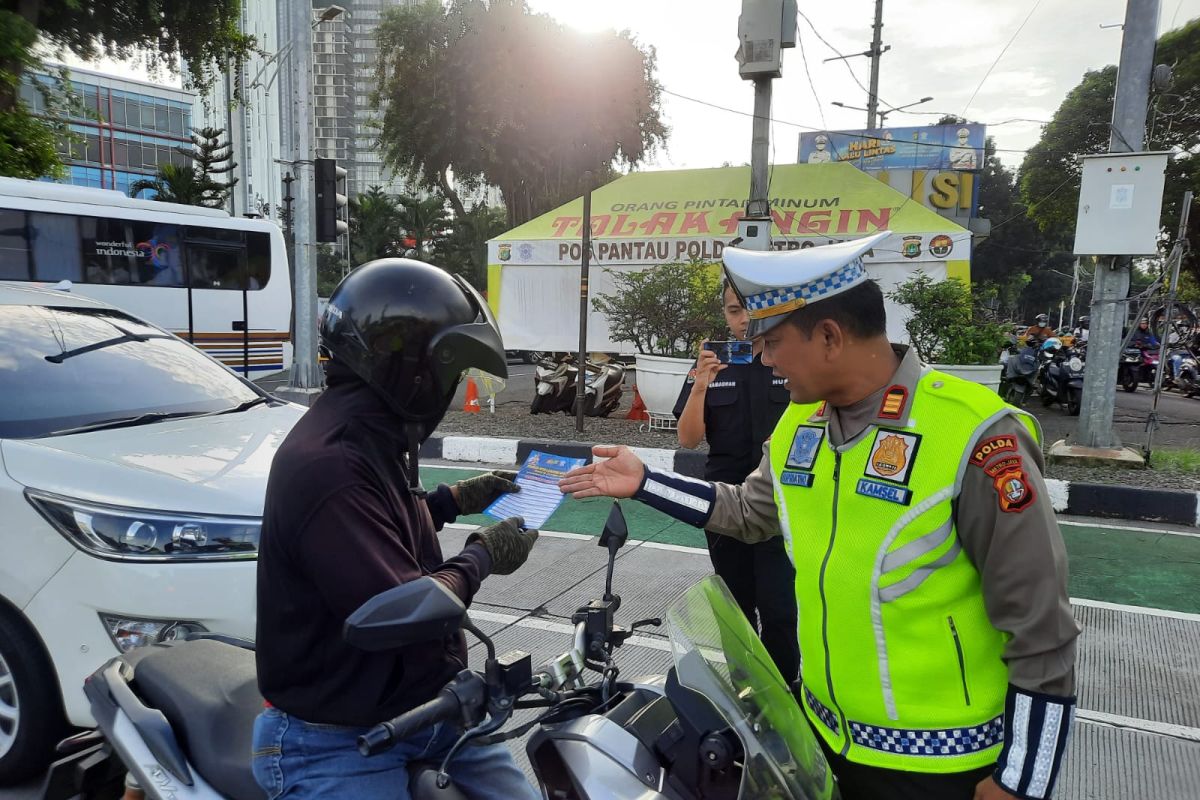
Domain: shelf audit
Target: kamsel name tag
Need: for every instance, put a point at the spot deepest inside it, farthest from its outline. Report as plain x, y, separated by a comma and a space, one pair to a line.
884, 491
793, 478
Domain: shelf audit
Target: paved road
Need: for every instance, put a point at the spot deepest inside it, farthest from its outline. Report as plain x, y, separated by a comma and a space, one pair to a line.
1179, 419
1136, 589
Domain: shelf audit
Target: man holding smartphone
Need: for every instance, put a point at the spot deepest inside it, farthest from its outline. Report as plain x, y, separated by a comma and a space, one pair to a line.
735, 406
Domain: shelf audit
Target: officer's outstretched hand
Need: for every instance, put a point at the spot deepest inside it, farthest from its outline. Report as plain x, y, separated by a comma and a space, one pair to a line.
619, 476
506, 543
475, 494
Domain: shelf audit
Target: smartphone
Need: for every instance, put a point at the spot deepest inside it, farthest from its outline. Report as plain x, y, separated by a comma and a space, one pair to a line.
732, 352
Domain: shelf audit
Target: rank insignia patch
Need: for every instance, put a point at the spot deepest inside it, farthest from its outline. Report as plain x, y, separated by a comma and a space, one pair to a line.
894, 400
806, 444
892, 455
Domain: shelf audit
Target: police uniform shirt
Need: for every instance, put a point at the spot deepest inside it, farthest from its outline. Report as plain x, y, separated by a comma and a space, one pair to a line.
1021, 557
741, 407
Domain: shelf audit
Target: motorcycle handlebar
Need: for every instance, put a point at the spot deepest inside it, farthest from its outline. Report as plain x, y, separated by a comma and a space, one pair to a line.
385, 735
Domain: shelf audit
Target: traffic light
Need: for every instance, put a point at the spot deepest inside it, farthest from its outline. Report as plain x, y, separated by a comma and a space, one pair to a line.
331, 199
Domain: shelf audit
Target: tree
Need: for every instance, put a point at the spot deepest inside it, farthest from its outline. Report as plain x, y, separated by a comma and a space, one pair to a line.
193, 184
462, 248
203, 33
1050, 174
330, 270
174, 183
211, 160
374, 226
500, 96
422, 219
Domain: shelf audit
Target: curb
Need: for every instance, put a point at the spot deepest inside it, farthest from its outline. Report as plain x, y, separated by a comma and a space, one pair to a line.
1078, 499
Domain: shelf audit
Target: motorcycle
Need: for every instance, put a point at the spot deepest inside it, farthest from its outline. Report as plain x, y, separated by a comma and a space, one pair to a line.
1129, 369
1061, 379
1020, 374
720, 725
556, 381
1182, 372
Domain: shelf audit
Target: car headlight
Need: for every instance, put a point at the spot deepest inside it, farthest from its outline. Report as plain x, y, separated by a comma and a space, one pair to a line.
134, 534
128, 632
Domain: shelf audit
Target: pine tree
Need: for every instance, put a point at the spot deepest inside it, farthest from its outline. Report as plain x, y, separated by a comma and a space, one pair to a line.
212, 160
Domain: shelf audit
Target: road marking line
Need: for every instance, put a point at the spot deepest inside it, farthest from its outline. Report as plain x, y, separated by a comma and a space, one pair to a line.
1146, 610
1126, 528
1142, 725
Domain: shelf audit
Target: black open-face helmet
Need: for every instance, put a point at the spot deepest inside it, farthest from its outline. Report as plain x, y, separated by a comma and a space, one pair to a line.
411, 330
1043, 320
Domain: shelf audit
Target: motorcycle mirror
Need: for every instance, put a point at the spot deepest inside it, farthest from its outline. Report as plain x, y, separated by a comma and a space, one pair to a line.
615, 534
418, 611
616, 531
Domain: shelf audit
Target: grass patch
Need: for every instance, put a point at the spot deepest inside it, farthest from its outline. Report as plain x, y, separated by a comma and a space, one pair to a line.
1182, 460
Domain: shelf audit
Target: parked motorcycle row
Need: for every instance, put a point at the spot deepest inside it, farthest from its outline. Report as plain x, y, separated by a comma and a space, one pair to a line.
1054, 372
555, 384
720, 724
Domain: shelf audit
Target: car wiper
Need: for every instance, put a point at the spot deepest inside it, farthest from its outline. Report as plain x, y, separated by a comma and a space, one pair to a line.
129, 422
243, 406
126, 336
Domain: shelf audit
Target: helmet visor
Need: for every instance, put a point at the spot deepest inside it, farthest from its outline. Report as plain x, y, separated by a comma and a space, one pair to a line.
472, 345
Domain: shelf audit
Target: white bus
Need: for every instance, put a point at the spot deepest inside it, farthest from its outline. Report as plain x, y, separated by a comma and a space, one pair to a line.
217, 281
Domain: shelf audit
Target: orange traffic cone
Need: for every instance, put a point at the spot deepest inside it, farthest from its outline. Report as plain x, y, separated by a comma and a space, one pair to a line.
638, 409
471, 406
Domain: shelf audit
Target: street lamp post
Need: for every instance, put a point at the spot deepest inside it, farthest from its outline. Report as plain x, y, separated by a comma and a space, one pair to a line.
883, 114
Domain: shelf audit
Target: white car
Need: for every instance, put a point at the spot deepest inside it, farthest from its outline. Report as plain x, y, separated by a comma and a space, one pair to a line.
132, 474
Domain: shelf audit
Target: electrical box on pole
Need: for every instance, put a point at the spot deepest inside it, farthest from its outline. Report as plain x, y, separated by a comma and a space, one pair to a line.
330, 182
765, 28
1120, 200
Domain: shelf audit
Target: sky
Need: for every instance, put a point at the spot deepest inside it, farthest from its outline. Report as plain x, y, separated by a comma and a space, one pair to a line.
939, 48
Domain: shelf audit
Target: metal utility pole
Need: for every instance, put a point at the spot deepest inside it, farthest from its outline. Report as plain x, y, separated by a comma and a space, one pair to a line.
765, 29
306, 375
760, 141
1112, 273
1168, 321
876, 55
584, 266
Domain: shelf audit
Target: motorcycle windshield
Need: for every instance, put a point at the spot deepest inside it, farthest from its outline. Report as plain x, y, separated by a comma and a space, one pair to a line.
720, 656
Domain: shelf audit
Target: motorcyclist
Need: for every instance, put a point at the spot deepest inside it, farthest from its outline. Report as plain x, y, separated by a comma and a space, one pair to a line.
1039, 331
1143, 338
345, 518
1081, 330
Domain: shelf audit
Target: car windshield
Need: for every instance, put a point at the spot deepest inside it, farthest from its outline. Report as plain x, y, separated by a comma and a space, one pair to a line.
720, 656
68, 368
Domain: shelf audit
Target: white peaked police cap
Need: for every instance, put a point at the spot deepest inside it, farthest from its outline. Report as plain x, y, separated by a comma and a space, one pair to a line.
772, 284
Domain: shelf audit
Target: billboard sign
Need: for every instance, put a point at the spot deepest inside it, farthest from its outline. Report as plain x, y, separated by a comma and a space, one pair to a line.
929, 147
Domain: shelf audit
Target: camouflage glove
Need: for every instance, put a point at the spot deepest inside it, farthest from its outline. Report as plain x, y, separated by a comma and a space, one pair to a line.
476, 494
506, 544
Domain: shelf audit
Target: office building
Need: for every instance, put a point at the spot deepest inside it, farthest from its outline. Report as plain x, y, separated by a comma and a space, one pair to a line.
128, 129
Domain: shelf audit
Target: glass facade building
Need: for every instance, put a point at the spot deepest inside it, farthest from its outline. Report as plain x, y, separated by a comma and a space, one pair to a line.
125, 130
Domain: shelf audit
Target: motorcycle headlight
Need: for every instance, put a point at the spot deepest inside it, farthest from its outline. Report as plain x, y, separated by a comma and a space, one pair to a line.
128, 632
1075, 364
133, 534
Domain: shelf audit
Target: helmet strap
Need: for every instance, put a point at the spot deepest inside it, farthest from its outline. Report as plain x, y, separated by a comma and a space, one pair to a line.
413, 433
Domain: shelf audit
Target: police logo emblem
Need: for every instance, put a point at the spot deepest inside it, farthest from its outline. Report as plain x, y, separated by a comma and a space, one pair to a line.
504, 252
892, 455
911, 247
805, 446
525, 251
1013, 489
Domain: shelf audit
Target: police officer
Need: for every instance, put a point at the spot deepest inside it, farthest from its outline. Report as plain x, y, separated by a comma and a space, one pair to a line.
938, 640
345, 518
735, 407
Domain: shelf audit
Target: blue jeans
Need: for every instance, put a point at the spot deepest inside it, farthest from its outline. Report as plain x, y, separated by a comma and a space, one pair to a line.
298, 759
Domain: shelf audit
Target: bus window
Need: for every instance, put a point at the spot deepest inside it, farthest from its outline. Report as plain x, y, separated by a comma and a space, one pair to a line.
55, 240
212, 266
131, 252
14, 254
258, 259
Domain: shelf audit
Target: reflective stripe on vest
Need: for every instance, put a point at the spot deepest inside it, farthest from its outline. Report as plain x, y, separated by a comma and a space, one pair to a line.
901, 667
